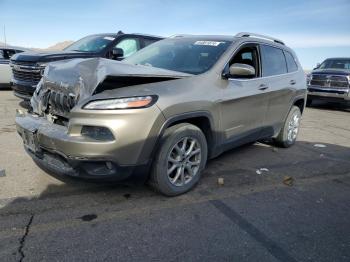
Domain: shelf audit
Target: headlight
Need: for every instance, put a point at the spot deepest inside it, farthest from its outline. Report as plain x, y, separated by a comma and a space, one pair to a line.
308, 78
121, 103
42, 68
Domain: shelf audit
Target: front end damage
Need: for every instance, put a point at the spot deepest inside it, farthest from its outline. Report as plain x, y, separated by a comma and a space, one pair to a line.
64, 138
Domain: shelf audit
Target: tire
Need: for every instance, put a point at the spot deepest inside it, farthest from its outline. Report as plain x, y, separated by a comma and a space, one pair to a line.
179, 160
308, 102
284, 138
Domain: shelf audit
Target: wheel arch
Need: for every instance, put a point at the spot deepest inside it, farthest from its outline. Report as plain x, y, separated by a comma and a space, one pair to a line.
300, 102
202, 119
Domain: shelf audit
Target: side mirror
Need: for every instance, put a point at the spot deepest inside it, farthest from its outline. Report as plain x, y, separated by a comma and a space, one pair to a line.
241, 70
117, 53
317, 65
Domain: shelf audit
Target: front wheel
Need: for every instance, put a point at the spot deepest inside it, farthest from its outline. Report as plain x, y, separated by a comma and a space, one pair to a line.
289, 132
180, 159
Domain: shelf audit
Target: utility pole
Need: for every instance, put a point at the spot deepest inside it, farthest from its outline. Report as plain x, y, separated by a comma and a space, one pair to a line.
5, 36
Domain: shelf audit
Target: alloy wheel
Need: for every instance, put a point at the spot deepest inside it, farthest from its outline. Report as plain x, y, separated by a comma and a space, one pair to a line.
184, 161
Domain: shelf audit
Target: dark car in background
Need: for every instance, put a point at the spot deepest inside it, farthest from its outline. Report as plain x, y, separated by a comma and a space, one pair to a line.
330, 81
28, 67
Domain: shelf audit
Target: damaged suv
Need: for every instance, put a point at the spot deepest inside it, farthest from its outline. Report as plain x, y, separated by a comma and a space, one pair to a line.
162, 112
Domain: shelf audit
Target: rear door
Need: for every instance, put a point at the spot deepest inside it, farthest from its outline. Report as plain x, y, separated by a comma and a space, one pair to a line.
244, 102
275, 76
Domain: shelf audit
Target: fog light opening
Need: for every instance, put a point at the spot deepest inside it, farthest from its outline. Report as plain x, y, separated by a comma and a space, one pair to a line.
97, 133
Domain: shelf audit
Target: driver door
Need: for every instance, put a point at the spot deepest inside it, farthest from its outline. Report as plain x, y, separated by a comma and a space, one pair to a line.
245, 100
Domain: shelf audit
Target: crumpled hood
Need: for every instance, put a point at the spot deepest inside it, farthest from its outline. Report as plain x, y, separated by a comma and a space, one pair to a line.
65, 82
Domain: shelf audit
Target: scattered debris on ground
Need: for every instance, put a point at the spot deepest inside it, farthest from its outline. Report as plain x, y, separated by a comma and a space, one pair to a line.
319, 145
2, 173
275, 149
288, 180
221, 181
127, 195
88, 217
261, 170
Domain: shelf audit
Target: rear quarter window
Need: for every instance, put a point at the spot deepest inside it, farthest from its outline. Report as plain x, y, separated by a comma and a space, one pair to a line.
291, 64
273, 61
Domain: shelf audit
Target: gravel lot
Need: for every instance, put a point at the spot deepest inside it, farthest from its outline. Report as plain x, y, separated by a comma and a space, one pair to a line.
252, 217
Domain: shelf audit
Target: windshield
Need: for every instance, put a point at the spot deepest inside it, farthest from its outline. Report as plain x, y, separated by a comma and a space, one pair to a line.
187, 55
93, 43
336, 64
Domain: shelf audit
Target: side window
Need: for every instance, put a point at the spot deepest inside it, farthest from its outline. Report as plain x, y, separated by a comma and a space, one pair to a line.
129, 46
273, 61
148, 41
10, 52
247, 55
291, 64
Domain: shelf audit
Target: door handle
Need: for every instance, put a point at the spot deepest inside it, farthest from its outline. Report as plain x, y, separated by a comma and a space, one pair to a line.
292, 82
263, 87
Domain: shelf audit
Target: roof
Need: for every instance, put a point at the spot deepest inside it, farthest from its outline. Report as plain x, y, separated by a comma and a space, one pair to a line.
339, 58
239, 36
205, 37
120, 34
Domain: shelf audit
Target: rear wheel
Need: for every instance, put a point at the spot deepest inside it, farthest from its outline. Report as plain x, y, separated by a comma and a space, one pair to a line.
180, 159
289, 132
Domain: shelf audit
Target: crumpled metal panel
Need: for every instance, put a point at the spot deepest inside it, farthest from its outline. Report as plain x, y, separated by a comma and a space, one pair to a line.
65, 82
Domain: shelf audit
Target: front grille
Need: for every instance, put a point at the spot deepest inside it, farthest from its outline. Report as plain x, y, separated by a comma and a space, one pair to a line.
330, 81
26, 72
23, 63
32, 77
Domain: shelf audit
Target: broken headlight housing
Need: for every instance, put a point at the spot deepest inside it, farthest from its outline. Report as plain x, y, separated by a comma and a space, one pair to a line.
121, 103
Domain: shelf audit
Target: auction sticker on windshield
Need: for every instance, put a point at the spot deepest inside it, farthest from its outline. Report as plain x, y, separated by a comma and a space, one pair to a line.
210, 43
109, 38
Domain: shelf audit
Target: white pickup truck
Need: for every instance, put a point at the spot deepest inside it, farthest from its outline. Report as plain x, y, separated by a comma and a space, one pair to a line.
5, 69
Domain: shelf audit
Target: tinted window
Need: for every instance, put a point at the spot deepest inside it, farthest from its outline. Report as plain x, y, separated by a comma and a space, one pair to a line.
129, 46
291, 64
273, 61
247, 55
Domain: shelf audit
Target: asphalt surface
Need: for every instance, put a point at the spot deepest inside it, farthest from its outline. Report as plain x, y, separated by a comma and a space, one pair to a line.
252, 217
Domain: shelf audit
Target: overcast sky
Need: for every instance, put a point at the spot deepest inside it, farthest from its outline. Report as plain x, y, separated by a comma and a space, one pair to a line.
315, 29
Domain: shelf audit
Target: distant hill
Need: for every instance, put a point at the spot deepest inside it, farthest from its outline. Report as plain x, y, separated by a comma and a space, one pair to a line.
2, 44
56, 47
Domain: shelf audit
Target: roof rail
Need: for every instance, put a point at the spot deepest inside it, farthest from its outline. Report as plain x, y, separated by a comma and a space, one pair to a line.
246, 34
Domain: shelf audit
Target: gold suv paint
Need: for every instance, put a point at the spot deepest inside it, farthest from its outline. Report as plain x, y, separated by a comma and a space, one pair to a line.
162, 112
